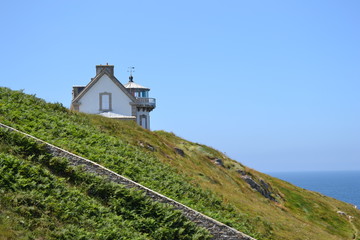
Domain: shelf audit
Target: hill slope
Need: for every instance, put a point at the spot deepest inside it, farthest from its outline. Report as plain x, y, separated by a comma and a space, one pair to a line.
191, 173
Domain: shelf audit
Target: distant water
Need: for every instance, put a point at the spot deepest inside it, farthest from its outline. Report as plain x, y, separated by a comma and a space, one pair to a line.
344, 185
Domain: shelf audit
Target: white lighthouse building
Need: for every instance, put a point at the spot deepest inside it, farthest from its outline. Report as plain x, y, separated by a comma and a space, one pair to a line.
107, 96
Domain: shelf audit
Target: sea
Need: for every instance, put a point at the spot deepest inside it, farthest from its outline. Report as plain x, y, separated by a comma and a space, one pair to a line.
342, 185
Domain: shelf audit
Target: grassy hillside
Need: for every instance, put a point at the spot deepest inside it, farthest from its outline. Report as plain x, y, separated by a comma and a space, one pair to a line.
64, 202
252, 202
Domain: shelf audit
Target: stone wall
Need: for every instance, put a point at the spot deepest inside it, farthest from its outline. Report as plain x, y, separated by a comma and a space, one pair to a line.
217, 229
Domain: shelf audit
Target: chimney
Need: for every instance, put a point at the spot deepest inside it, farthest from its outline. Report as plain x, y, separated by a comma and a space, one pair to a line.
108, 68
77, 90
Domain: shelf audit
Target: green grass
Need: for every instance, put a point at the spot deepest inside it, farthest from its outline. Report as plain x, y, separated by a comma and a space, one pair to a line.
63, 202
193, 179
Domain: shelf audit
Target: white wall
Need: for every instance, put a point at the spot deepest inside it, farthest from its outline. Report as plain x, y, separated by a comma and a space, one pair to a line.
90, 102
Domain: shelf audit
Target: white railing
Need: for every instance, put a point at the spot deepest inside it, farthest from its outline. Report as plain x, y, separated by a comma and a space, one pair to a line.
146, 101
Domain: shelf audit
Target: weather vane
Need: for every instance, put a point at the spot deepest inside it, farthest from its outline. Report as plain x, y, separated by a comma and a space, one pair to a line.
131, 70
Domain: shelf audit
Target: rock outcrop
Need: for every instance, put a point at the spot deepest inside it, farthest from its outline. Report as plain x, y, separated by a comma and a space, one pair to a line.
261, 186
179, 151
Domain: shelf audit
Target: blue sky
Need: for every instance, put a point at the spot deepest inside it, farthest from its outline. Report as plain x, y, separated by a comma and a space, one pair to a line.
273, 84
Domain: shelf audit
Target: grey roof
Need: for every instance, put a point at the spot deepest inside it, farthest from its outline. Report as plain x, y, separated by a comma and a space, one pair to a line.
135, 85
116, 115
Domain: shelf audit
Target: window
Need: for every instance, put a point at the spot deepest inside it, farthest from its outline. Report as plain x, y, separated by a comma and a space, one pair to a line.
105, 101
144, 94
